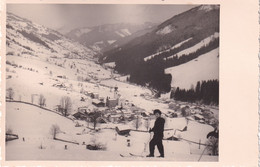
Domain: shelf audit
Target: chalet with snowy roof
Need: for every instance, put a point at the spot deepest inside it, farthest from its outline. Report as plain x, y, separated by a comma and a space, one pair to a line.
80, 115
213, 121
174, 106
201, 121
98, 103
197, 110
145, 113
102, 99
112, 103
115, 117
190, 118
198, 117
110, 65
84, 110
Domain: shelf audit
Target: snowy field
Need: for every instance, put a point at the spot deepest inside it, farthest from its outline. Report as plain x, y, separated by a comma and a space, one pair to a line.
70, 70
202, 68
30, 76
33, 124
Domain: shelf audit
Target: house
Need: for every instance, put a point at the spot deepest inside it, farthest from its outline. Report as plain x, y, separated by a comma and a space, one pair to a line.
102, 99
98, 103
112, 103
208, 114
122, 102
190, 118
201, 121
102, 120
59, 85
115, 117
174, 115
94, 95
197, 110
213, 122
145, 114
198, 117
80, 115
84, 110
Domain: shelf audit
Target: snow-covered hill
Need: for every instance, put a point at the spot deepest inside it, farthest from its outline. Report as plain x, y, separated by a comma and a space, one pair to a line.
24, 36
195, 47
35, 141
43, 63
205, 67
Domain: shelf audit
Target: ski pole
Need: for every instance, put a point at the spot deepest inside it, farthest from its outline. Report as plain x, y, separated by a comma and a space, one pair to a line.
203, 152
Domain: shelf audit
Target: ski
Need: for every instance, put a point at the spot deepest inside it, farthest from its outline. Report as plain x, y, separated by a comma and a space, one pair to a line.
131, 155
135, 155
121, 155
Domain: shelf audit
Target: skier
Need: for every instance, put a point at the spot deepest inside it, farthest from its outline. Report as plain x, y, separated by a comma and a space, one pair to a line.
158, 134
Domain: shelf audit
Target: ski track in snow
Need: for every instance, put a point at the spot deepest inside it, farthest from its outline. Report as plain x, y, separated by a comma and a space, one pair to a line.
173, 47
194, 48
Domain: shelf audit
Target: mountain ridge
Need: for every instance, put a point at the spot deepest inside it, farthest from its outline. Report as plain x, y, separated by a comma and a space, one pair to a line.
102, 35
23, 34
194, 26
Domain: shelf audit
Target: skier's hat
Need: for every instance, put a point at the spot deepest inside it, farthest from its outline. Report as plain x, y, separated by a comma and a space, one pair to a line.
157, 111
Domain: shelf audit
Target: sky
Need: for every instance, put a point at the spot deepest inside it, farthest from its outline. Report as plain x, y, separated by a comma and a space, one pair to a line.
65, 17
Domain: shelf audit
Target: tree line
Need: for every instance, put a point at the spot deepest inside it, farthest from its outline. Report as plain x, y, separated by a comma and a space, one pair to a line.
206, 92
181, 59
151, 73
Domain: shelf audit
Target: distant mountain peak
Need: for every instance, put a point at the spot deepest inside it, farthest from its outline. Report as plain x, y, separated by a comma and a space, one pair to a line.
208, 7
91, 36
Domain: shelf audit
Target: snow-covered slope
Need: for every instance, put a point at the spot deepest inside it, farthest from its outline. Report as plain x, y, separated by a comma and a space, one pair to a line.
166, 50
205, 67
177, 41
35, 141
194, 48
25, 36
36, 65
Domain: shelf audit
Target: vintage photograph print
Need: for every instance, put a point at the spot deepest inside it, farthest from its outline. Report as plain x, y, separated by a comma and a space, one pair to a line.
112, 82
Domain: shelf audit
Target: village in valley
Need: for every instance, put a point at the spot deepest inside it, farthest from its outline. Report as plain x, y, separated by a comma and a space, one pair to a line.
105, 111
63, 104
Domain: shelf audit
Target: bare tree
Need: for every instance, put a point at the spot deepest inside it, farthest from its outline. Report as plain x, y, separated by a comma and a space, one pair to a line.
185, 111
147, 124
65, 105
10, 93
95, 117
137, 122
212, 146
54, 130
42, 101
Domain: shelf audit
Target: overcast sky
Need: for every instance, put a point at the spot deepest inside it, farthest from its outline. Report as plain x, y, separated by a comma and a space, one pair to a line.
66, 17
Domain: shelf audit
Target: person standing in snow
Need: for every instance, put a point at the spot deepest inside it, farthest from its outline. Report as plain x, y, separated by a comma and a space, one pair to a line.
158, 134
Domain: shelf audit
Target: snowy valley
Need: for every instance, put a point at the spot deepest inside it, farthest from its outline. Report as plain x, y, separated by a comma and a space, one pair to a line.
63, 103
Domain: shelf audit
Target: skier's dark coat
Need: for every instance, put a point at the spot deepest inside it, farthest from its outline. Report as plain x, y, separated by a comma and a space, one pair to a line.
158, 127
157, 137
